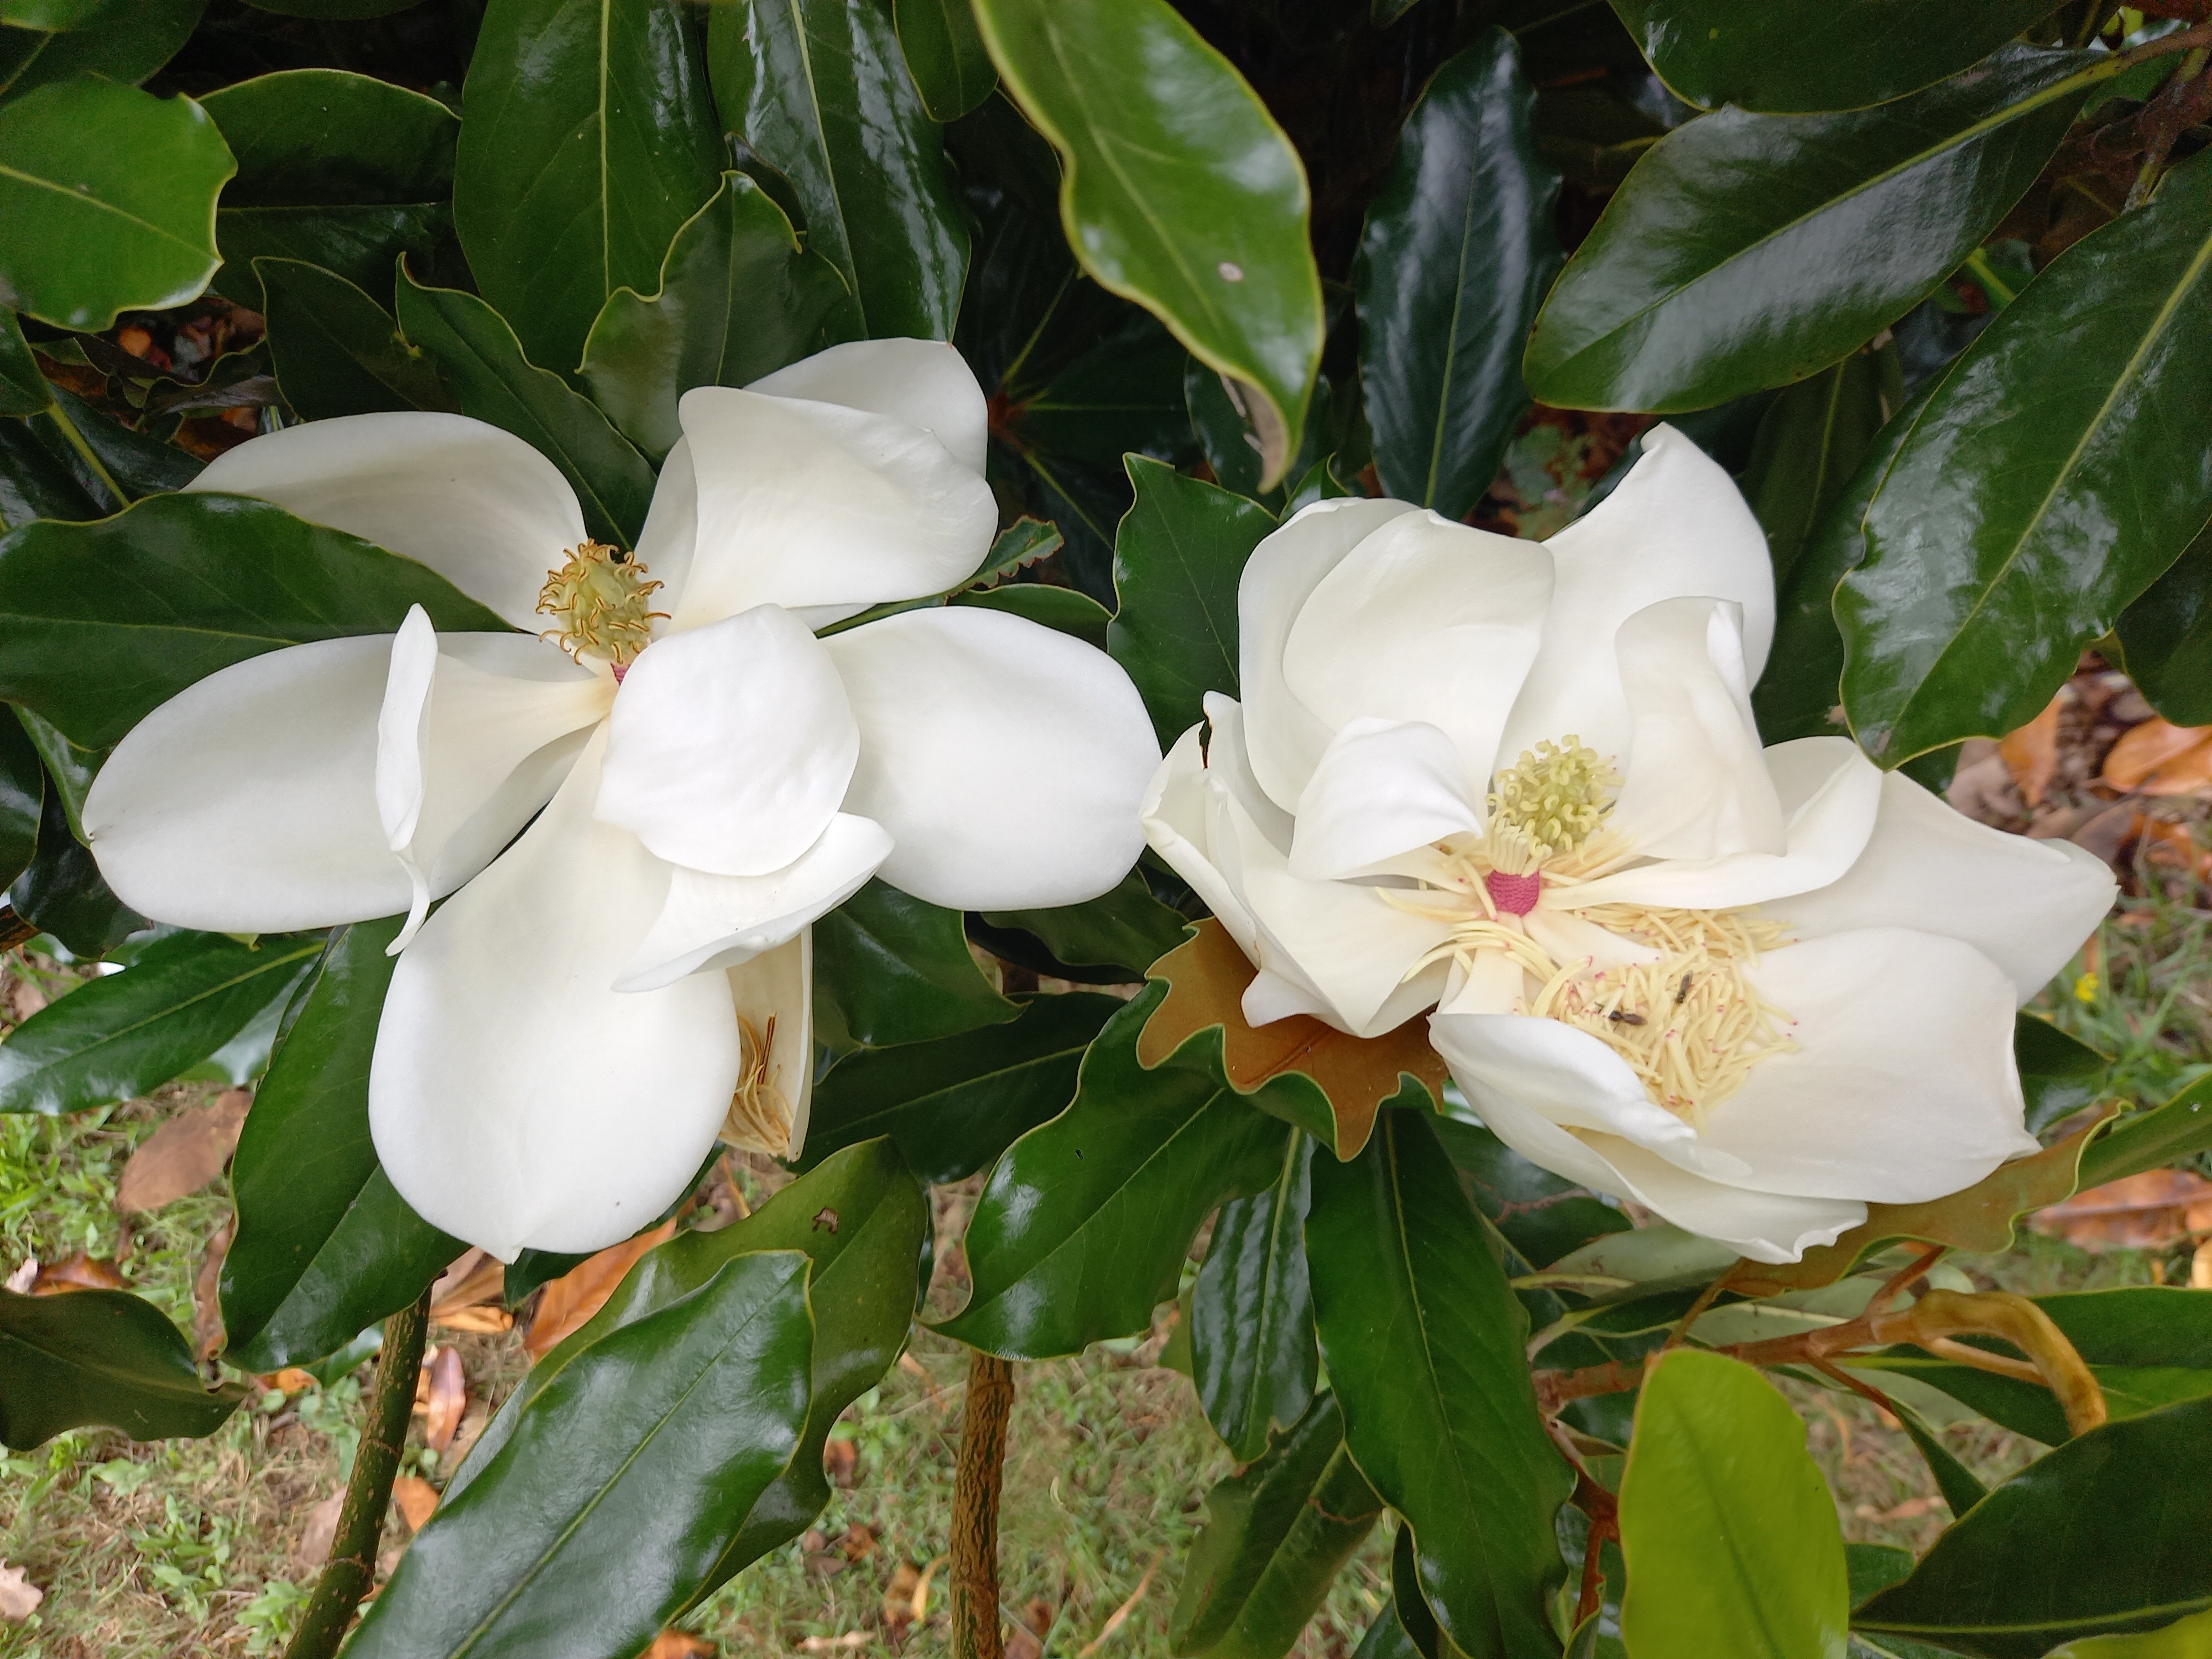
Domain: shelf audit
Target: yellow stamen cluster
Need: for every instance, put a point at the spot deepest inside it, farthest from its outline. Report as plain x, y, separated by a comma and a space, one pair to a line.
1548, 803
759, 1118
597, 601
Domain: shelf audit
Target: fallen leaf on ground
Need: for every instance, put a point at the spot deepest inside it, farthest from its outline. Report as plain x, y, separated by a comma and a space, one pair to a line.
2200, 1268
24, 1000
841, 1461
441, 1394
77, 1273
291, 1379
19, 1597
680, 1644
2171, 846
1910, 1509
184, 1154
1120, 1616
24, 1277
417, 1499
845, 1643
207, 1296
472, 1430
1023, 1645
1982, 786
2146, 1212
321, 1528
467, 1296
2031, 754
578, 1294
899, 1596
2149, 749
859, 1543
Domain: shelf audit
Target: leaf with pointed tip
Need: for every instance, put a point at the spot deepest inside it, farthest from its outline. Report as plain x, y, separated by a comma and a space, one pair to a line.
101, 1356
2166, 633
1252, 1357
2180, 1128
335, 351
123, 49
890, 969
946, 55
2058, 1075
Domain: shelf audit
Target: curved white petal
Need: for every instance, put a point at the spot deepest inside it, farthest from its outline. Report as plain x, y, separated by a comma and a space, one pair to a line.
1829, 792
1008, 761
1903, 1087
1228, 763
774, 996
247, 802
475, 732
1676, 527
925, 383
731, 746
670, 537
1488, 982
1568, 1076
1696, 785
1286, 737
1177, 812
1424, 620
1764, 1226
1382, 788
802, 504
2026, 905
477, 505
711, 921
517, 1099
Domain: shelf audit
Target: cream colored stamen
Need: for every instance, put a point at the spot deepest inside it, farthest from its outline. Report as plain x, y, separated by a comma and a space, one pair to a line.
759, 1118
597, 601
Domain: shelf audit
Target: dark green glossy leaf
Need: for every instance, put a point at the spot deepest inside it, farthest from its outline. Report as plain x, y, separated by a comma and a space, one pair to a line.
335, 351
1060, 609
1961, 1487
946, 55
107, 621
1459, 249
2121, 1521
1253, 1356
1748, 251
1121, 932
23, 796
334, 169
1810, 442
1874, 1567
2025, 511
1084, 1226
1405, 1629
324, 1247
338, 11
1792, 56
482, 363
107, 201
35, 483
738, 300
2166, 633
620, 1484
2148, 1140
1179, 191
1219, 418
62, 893
1540, 1215
124, 50
99, 1357
2059, 1075
889, 969
24, 389
1422, 1338
953, 1105
1276, 1535
1021, 543
820, 91
590, 140
69, 769
1801, 693
1177, 558
131, 465
1726, 1521
124, 1035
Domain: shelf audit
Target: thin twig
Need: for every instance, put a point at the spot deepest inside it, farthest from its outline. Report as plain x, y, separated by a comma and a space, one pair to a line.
1705, 1300
352, 1566
975, 1633
13, 930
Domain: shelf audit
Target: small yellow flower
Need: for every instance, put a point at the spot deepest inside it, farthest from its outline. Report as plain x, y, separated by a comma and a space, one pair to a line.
2085, 989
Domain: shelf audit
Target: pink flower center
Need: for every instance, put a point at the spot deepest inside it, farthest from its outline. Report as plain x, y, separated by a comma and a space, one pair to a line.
1514, 895
620, 669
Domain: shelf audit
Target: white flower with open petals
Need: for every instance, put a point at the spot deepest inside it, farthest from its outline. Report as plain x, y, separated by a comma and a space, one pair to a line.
1754, 989
700, 775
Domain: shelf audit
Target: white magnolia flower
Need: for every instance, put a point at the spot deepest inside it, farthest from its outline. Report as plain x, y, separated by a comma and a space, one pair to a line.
563, 1039
1754, 990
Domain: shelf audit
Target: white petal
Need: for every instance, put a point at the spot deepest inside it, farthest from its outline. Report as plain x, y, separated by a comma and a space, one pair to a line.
1829, 792
1424, 620
1488, 982
774, 995
1696, 785
924, 382
731, 746
1008, 761
1903, 1088
671, 535
1383, 787
1229, 763
1176, 812
518, 1100
1549, 1067
247, 802
477, 505
1676, 527
2026, 905
1286, 737
477, 731
1764, 1226
712, 922
804, 503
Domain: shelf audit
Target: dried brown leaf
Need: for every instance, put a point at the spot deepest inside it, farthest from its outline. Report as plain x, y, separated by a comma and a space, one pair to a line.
679, 1644
80, 1272
2147, 750
416, 1500
2031, 754
2145, 1212
320, 1529
19, 1597
441, 1394
573, 1297
184, 1154
470, 1279
1206, 977
207, 1296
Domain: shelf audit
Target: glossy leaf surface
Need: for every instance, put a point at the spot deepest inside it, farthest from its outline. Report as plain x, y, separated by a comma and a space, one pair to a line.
1540, 1215
1253, 1355
2120, 1517
1276, 1535
101, 1356
2058, 1074
1422, 1338
623, 1481
1809, 444
818, 90
2026, 509
1083, 1227
324, 1247
2148, 1140
107, 621
1178, 190
335, 351
738, 300
590, 140
22, 798
124, 50
107, 201
1748, 251
1725, 1521
61, 891
24, 389
123, 1034
890, 969
482, 363
1116, 935
1459, 249
953, 1105
946, 55
2167, 635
